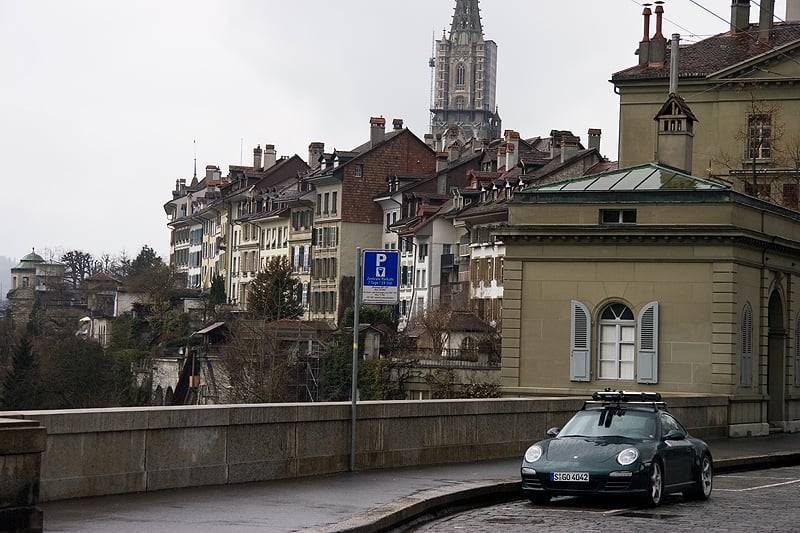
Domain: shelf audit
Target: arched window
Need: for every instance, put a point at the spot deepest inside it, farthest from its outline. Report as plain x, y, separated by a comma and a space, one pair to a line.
616, 342
469, 348
746, 347
460, 76
618, 356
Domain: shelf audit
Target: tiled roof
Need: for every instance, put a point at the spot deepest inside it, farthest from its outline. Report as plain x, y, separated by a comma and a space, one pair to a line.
717, 53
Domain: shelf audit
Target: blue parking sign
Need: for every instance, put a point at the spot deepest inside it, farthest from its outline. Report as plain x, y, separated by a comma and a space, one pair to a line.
381, 277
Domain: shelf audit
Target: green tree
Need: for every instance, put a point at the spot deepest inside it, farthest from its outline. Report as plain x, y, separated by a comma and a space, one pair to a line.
273, 292
146, 260
336, 374
75, 374
217, 292
21, 383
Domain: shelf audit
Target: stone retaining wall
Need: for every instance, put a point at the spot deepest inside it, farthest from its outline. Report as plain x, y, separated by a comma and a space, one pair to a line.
94, 452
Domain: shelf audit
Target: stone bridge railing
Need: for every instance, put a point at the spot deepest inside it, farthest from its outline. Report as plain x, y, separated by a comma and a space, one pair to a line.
92, 452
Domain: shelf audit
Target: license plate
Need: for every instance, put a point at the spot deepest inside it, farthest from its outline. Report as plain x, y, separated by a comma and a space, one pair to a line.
569, 476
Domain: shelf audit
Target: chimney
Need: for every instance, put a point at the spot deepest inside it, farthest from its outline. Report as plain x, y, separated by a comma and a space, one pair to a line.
454, 152
270, 156
213, 173
644, 46
674, 63
429, 141
377, 130
397, 124
568, 149
257, 164
441, 161
594, 138
740, 15
512, 149
658, 43
315, 151
792, 11
766, 15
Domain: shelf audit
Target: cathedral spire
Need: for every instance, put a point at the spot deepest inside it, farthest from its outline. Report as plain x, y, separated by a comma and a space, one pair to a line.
466, 27
463, 107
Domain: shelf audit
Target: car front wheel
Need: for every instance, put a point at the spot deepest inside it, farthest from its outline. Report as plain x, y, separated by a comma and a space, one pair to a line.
705, 480
655, 488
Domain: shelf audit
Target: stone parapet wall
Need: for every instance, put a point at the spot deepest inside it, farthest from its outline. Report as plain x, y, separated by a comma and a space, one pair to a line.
93, 452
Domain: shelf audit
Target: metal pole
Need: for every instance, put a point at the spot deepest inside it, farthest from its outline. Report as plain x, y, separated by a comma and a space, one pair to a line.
354, 388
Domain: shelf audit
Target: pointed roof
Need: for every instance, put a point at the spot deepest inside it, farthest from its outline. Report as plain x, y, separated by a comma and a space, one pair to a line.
466, 21
676, 105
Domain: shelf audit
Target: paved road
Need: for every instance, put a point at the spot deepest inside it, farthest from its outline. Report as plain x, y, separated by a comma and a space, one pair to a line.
762, 500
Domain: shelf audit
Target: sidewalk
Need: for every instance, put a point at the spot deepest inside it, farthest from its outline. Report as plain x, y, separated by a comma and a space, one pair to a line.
360, 501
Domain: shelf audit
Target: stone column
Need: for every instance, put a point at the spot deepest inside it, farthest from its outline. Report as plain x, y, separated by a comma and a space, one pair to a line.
21, 445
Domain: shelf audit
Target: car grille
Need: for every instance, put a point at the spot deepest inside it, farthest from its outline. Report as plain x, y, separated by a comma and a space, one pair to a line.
618, 484
530, 482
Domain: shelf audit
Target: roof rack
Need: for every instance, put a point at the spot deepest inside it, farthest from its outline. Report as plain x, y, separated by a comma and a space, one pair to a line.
618, 397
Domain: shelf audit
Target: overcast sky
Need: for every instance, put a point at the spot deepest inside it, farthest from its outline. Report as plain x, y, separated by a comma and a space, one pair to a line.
104, 104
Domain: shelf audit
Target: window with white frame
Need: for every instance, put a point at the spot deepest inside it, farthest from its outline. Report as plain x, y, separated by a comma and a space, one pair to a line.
627, 347
616, 342
759, 133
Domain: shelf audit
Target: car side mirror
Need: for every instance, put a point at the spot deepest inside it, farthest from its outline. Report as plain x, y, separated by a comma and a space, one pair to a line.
552, 432
674, 435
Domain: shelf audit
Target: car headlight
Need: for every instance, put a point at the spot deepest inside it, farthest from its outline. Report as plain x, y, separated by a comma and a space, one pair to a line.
627, 456
533, 454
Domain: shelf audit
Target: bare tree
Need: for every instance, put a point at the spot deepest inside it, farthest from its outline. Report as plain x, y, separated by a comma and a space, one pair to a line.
435, 326
255, 367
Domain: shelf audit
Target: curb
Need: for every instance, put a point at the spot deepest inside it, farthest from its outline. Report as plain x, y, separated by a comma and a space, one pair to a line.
428, 505
434, 503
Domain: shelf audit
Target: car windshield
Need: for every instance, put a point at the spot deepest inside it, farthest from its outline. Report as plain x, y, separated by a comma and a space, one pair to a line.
611, 422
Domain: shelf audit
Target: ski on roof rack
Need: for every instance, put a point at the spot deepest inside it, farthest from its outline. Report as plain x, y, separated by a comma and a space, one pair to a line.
609, 395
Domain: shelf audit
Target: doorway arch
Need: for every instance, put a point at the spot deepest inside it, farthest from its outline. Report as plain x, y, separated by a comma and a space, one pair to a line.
776, 363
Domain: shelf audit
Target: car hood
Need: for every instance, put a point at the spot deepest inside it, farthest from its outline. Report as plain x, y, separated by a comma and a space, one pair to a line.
584, 449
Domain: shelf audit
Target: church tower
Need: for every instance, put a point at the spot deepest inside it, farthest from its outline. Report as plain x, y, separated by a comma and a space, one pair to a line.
464, 86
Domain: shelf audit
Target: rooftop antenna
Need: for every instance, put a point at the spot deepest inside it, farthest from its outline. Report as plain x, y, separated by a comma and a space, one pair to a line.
195, 158
432, 65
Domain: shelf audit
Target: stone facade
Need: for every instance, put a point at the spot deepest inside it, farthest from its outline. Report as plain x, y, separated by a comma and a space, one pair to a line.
717, 268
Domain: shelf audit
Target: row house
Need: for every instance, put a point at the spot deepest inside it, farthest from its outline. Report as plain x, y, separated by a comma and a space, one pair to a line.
257, 204
345, 215
187, 214
448, 256
409, 205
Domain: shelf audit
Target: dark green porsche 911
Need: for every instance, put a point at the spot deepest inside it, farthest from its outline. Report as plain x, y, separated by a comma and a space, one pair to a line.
619, 443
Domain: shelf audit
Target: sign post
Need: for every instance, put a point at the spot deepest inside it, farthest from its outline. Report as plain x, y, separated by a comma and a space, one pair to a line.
377, 282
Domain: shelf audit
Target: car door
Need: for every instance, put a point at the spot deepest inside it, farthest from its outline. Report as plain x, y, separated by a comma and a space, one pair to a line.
677, 452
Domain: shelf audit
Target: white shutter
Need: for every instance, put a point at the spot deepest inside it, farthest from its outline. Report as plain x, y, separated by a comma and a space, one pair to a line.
746, 365
647, 343
580, 342
306, 257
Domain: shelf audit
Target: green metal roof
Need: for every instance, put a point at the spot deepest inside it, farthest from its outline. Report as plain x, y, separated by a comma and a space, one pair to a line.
29, 261
649, 177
